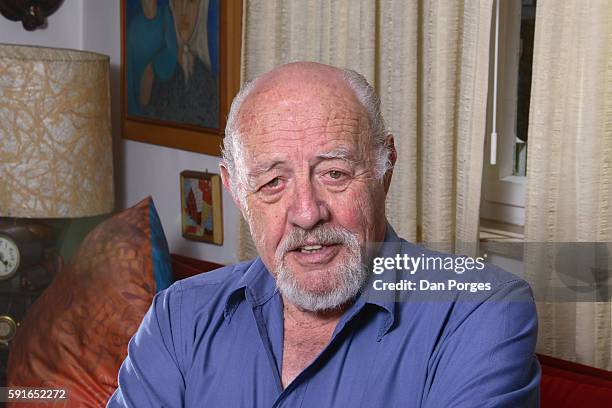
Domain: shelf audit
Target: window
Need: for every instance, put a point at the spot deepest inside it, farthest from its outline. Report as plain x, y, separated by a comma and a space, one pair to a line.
504, 184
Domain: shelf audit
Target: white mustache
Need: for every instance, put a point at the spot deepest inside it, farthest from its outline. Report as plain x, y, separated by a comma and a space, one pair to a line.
322, 235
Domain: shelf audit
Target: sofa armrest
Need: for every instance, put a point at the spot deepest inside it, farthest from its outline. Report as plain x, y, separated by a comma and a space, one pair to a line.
184, 266
568, 384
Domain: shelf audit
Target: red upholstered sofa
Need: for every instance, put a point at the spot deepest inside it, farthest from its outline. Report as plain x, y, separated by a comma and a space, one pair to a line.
564, 384
570, 385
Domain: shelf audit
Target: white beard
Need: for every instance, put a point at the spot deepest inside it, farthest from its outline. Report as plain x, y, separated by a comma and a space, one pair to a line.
350, 275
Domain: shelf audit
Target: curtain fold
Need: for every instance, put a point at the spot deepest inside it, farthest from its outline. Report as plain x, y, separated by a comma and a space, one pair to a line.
569, 163
455, 79
397, 73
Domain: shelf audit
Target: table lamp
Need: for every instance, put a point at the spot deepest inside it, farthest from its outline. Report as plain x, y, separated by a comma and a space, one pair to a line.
55, 158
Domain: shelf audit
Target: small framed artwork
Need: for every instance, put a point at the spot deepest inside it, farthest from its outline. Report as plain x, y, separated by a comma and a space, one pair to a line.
201, 207
180, 68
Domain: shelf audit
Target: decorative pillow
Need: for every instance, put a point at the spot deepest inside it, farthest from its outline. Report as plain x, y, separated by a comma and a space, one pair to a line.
75, 335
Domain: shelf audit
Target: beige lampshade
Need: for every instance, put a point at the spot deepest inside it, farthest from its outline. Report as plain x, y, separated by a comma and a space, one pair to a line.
55, 133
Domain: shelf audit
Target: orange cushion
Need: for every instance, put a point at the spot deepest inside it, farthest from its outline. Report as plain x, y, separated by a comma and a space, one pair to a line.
75, 335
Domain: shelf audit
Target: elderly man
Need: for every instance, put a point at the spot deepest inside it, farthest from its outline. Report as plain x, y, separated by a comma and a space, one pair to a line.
308, 162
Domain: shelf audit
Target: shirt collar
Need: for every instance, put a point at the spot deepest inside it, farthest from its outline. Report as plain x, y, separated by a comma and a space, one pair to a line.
389, 248
257, 285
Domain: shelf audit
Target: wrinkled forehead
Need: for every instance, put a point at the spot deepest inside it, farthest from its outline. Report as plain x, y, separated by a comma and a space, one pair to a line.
306, 105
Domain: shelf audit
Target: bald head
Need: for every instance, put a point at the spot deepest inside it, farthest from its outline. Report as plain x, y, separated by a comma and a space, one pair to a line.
301, 86
298, 79
292, 74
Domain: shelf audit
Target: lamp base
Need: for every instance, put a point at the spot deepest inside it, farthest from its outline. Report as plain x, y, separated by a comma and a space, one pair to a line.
28, 263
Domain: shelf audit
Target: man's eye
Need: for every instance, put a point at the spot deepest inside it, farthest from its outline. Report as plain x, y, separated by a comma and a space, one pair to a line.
273, 183
272, 186
336, 174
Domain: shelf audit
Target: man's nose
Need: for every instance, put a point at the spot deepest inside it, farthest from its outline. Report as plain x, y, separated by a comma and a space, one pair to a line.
307, 208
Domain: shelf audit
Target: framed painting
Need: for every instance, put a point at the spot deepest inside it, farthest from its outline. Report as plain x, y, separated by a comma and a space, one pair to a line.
180, 70
201, 207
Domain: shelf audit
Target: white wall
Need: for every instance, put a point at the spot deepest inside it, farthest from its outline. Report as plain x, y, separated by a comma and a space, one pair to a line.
141, 169
154, 170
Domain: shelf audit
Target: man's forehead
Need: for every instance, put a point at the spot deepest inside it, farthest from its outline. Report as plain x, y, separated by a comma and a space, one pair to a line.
309, 132
300, 100
302, 107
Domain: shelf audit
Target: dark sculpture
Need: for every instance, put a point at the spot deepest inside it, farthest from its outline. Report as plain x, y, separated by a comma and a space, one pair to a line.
31, 13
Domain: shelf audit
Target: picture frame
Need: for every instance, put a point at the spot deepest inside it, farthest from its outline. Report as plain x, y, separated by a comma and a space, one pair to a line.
201, 207
180, 69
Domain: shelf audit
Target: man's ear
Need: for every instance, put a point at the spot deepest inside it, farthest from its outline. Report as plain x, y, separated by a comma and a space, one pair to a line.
227, 184
390, 144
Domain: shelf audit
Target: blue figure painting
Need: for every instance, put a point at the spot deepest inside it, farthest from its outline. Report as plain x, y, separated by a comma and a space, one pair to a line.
172, 61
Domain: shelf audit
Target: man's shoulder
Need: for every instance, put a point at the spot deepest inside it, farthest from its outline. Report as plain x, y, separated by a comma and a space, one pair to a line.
491, 304
454, 267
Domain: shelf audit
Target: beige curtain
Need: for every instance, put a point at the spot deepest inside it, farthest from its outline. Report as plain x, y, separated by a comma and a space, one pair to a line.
429, 62
453, 108
569, 191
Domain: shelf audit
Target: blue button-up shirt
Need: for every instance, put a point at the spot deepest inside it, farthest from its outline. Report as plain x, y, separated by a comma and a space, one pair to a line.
216, 340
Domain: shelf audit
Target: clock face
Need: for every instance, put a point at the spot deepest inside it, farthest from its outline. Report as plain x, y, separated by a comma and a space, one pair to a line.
9, 257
